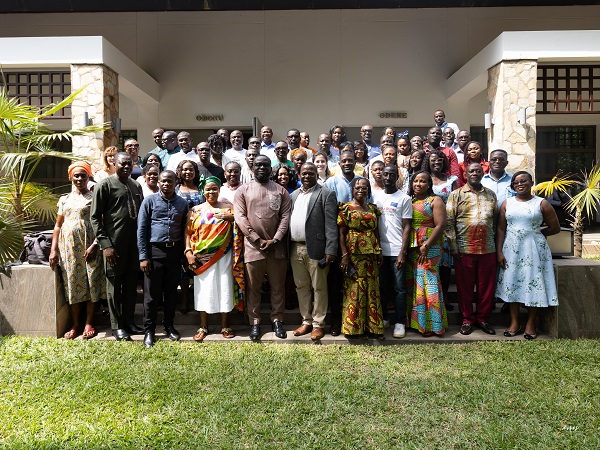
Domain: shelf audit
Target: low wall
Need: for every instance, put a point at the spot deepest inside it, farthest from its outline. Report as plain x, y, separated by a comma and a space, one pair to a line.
32, 302
578, 310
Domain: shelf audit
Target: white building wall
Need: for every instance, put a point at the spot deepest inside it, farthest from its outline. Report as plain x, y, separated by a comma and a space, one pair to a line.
307, 69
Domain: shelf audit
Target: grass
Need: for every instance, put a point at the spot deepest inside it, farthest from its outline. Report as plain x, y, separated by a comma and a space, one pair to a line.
99, 394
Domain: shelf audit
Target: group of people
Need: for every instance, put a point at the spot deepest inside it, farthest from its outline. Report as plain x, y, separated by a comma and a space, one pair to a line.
364, 228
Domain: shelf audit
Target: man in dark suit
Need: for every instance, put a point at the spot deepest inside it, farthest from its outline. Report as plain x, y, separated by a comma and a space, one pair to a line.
314, 241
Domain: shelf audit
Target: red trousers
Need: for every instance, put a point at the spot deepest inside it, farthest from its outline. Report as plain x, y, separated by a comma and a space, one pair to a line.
474, 270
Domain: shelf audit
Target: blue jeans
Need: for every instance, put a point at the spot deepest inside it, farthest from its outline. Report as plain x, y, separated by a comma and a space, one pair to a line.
392, 286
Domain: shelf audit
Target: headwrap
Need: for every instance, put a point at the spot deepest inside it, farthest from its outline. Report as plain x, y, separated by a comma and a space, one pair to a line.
204, 181
80, 165
296, 151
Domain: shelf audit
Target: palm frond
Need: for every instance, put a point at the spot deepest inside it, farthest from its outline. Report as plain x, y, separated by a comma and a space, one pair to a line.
11, 239
587, 200
39, 203
11, 162
558, 183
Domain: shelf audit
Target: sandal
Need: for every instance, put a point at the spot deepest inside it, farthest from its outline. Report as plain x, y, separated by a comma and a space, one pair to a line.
71, 334
89, 332
200, 334
227, 333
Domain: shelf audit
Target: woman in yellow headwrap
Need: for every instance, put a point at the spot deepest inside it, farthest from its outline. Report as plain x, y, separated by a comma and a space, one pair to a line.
75, 251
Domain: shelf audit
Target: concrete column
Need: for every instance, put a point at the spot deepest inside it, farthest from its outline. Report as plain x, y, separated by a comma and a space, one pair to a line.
511, 88
100, 100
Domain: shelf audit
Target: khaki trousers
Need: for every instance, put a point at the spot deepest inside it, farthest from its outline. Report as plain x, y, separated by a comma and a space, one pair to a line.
255, 275
309, 278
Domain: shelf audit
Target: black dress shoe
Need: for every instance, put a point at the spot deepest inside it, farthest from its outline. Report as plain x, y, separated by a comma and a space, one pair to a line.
255, 333
466, 329
134, 329
278, 329
149, 339
172, 333
121, 335
486, 328
335, 329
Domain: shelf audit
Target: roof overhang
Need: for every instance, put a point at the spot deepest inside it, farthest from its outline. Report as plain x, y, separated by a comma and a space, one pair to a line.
543, 46
55, 52
46, 6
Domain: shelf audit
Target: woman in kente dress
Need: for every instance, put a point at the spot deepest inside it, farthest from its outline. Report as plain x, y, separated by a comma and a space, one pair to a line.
214, 254
361, 256
75, 251
526, 273
425, 300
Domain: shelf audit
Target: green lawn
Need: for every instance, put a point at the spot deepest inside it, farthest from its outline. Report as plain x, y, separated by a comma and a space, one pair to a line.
100, 394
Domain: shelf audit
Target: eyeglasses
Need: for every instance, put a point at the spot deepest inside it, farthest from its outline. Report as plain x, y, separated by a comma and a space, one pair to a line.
281, 148
132, 145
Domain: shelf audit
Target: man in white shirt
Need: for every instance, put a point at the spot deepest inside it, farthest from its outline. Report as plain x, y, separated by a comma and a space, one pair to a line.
247, 174
184, 140
462, 139
237, 152
314, 244
439, 117
394, 232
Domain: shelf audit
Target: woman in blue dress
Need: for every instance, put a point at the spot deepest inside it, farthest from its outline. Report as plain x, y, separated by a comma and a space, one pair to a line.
526, 274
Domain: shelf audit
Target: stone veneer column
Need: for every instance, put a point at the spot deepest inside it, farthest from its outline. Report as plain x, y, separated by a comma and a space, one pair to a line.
512, 87
101, 101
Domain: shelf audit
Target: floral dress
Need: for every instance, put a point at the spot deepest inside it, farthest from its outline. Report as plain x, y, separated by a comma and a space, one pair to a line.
83, 281
529, 274
361, 309
425, 301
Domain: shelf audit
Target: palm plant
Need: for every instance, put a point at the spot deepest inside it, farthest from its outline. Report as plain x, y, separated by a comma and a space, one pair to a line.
585, 202
25, 141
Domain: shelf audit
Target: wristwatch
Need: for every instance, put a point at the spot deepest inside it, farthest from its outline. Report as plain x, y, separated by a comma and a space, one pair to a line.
275, 241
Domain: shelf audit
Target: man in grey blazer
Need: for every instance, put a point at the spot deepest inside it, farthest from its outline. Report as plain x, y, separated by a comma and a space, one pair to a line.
313, 246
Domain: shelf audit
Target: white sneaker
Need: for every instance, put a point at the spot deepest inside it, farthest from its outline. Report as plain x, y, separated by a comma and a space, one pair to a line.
399, 331
386, 323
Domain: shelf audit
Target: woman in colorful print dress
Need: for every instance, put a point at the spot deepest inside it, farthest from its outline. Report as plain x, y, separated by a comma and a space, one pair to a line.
75, 251
425, 301
188, 176
214, 254
437, 164
361, 255
526, 274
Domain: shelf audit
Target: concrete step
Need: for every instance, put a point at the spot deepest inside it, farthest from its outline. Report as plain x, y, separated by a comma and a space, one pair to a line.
452, 336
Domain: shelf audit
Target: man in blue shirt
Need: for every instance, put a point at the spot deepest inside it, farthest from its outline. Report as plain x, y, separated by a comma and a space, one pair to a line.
498, 180
160, 236
366, 133
341, 185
